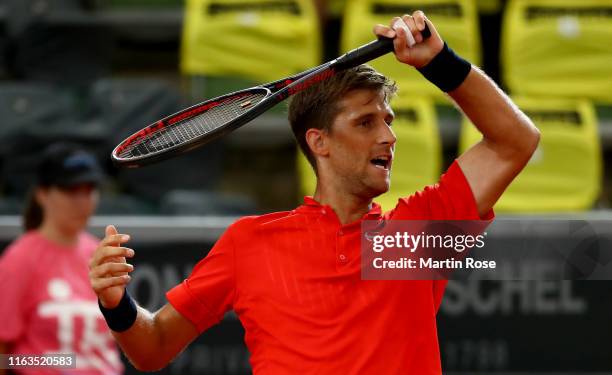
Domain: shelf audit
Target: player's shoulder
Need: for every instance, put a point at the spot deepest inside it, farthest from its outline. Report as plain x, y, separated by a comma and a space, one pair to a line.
258, 221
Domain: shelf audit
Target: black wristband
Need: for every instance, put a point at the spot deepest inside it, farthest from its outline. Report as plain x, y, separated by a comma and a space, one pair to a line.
446, 70
122, 317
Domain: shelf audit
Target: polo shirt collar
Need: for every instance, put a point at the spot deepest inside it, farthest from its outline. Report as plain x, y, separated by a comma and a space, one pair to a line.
311, 204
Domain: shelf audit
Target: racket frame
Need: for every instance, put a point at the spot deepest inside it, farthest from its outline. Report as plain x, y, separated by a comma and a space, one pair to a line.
276, 92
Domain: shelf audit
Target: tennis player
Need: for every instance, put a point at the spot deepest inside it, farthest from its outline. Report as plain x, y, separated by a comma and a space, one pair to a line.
293, 278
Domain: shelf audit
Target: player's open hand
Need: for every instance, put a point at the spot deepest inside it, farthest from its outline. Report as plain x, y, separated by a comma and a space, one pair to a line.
410, 46
108, 269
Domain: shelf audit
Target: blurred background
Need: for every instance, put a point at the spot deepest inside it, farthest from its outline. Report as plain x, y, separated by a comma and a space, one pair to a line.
95, 71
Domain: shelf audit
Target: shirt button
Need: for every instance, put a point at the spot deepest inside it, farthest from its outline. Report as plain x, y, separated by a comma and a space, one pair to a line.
341, 232
342, 257
323, 211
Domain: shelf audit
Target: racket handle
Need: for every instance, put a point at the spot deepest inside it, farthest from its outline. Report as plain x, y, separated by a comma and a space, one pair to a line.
370, 51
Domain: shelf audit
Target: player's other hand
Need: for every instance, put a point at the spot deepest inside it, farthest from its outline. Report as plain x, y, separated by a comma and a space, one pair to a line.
421, 53
108, 269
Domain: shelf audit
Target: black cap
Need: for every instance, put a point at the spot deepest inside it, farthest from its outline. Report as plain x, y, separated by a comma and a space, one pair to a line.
67, 165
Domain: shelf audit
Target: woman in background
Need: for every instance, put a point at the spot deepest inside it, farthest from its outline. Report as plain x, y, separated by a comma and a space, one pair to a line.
47, 306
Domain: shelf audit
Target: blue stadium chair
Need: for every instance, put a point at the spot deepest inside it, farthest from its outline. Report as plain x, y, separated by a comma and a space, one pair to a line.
33, 116
57, 41
199, 203
127, 105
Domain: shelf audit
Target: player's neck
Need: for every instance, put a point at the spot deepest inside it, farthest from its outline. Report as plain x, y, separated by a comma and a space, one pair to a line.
56, 235
348, 207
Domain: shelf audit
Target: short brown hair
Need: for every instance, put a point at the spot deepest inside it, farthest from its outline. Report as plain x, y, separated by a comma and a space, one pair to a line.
317, 106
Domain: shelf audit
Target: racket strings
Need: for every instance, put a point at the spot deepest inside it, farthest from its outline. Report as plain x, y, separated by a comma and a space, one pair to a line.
194, 127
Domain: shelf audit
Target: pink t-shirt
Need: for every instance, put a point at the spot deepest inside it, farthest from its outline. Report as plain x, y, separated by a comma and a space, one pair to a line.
47, 305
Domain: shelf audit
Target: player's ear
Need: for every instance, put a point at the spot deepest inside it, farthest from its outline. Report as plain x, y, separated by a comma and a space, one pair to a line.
41, 195
317, 141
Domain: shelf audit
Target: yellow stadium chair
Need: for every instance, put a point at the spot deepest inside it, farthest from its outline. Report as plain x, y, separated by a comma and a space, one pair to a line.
558, 47
489, 6
455, 20
565, 172
417, 157
253, 39
335, 8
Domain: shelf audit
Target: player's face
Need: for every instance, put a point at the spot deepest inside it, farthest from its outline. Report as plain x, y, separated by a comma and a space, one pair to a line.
69, 208
362, 143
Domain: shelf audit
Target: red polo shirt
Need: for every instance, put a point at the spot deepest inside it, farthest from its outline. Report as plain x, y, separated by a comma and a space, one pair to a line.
293, 279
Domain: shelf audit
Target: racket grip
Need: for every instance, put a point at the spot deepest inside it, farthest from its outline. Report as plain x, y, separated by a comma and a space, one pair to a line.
426, 33
370, 51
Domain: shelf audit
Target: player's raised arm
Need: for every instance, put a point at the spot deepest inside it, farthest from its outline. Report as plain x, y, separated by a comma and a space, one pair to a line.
509, 137
149, 340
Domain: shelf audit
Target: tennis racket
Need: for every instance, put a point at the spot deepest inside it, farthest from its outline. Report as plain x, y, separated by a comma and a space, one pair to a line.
209, 120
